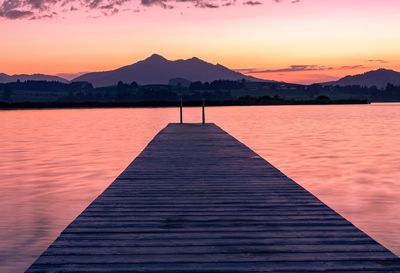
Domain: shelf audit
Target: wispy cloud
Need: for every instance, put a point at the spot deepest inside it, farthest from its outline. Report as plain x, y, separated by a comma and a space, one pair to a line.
16, 14
252, 3
37, 9
349, 67
377, 61
298, 68
246, 70
292, 1
292, 68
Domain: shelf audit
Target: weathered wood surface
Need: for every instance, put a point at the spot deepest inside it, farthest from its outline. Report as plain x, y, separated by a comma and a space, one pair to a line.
197, 200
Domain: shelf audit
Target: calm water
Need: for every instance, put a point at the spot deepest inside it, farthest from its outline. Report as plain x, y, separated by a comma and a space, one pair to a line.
53, 163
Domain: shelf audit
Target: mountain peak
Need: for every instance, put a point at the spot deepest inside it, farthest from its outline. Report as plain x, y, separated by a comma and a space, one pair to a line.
382, 70
158, 70
194, 59
379, 78
156, 57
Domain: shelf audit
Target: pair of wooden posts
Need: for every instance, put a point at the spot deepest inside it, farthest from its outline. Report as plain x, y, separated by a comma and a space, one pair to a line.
203, 113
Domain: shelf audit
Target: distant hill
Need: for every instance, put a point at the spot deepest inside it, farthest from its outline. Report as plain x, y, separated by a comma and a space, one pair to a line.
180, 82
379, 78
4, 78
158, 70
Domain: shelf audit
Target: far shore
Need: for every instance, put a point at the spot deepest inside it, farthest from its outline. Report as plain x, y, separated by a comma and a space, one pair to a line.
172, 104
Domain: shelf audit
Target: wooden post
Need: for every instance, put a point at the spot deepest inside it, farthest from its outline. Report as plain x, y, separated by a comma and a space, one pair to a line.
181, 111
203, 111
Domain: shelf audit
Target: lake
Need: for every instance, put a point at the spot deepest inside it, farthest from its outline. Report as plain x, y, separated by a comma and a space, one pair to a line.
53, 163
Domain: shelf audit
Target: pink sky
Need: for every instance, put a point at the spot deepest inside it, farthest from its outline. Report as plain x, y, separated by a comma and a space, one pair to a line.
307, 41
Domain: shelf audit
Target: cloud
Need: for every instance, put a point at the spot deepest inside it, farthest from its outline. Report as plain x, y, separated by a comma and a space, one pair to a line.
346, 67
246, 70
295, 68
298, 68
37, 9
377, 61
15, 14
252, 3
292, 1
209, 5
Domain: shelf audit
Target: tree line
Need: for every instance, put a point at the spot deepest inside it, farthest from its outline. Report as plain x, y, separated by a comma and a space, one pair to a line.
220, 90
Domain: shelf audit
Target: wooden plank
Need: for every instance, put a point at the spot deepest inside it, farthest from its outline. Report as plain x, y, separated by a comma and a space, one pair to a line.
198, 200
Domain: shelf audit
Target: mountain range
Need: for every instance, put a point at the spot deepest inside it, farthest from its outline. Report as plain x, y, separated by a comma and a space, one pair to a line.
379, 78
4, 78
158, 70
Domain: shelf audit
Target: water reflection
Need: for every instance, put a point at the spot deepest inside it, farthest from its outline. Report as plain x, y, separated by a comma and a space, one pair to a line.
54, 162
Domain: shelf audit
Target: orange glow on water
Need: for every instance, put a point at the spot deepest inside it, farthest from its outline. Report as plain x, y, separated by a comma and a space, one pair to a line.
54, 162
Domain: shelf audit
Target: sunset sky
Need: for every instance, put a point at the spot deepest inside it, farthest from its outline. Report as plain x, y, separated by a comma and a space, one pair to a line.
296, 41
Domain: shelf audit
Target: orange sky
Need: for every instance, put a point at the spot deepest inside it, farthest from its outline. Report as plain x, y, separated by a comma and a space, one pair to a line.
307, 41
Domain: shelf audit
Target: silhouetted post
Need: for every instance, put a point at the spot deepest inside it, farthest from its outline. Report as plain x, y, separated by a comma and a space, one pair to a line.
181, 111
203, 111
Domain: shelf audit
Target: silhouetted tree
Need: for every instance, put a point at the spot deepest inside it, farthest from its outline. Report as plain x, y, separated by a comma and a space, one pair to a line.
323, 98
390, 87
196, 86
7, 92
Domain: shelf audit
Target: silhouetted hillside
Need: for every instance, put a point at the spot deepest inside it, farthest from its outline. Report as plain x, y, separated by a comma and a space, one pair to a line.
220, 92
158, 70
379, 78
4, 78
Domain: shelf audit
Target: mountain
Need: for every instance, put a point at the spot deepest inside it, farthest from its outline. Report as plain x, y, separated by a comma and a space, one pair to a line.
4, 78
380, 78
158, 70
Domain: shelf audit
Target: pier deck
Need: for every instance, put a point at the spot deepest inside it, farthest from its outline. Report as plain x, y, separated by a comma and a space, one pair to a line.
197, 200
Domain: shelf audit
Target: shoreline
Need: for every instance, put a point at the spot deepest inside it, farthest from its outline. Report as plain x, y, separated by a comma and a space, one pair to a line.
169, 104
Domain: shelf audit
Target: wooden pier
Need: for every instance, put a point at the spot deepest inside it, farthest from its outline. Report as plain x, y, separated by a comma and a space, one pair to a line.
197, 200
